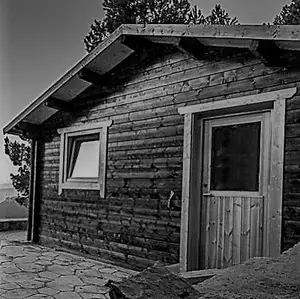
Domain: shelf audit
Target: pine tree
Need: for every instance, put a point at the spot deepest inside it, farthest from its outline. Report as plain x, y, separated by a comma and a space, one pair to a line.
289, 15
150, 12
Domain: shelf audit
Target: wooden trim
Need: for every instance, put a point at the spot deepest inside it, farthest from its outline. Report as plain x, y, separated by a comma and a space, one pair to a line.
34, 228
31, 189
84, 183
102, 162
243, 32
81, 185
84, 127
61, 163
240, 101
276, 186
184, 232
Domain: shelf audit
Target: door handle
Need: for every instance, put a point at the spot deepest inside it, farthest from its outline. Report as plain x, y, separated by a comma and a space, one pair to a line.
207, 194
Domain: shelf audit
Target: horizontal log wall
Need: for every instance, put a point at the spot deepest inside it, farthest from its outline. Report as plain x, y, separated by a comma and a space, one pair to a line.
136, 223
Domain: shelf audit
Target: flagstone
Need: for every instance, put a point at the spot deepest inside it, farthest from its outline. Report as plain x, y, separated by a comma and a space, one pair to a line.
93, 296
44, 262
108, 270
48, 291
32, 267
91, 289
40, 296
9, 286
31, 284
61, 269
84, 265
48, 275
25, 259
67, 295
10, 269
21, 276
88, 273
19, 293
92, 280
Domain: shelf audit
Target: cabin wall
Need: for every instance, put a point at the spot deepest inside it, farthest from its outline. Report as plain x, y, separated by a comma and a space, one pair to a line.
136, 223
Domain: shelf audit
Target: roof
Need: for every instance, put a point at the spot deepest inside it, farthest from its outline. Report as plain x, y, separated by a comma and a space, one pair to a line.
264, 41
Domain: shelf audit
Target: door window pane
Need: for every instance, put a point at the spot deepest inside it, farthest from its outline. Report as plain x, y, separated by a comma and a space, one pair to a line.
235, 157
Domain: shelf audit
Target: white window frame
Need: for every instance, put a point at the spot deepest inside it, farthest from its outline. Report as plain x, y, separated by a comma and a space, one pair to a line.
78, 131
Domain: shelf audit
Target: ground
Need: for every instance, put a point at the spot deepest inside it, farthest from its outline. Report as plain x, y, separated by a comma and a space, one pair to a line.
36, 272
33, 272
258, 278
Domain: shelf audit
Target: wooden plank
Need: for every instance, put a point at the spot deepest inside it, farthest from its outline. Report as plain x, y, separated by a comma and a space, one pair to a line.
228, 232
83, 127
245, 232
254, 230
247, 100
236, 238
138, 93
220, 232
213, 229
207, 230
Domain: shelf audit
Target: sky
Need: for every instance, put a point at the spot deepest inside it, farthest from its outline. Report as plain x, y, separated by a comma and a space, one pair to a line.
41, 39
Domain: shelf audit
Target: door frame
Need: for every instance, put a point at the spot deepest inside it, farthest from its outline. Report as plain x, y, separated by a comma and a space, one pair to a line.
274, 102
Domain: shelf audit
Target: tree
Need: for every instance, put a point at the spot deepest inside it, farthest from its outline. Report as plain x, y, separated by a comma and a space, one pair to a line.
150, 12
19, 154
289, 15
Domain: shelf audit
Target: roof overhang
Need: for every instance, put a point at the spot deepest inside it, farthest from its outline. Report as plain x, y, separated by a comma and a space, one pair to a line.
261, 40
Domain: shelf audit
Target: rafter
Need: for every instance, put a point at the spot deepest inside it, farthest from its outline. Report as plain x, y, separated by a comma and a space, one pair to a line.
28, 130
59, 104
267, 51
137, 43
191, 46
91, 77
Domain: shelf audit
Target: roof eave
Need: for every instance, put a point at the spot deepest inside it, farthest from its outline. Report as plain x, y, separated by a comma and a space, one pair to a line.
240, 36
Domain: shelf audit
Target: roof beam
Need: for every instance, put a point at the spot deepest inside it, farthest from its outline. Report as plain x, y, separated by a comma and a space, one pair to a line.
267, 51
191, 46
28, 130
59, 104
136, 43
91, 77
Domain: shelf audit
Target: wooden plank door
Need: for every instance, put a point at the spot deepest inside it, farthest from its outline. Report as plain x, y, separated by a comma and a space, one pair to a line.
234, 189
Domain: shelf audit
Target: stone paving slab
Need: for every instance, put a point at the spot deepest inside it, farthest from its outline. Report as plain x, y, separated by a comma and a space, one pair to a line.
32, 272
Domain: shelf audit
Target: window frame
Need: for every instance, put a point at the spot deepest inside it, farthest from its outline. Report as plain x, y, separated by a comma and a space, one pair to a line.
65, 182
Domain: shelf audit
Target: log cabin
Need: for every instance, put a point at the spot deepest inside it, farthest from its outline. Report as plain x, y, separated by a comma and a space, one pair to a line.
177, 143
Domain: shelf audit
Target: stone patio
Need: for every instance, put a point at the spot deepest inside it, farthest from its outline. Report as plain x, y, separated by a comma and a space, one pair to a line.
32, 271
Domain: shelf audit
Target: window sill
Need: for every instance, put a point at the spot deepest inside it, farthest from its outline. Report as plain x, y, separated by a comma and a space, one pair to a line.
80, 185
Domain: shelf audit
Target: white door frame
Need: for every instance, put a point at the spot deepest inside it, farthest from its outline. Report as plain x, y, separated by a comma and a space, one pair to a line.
275, 102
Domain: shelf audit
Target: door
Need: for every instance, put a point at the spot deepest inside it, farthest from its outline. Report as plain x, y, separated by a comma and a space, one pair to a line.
234, 193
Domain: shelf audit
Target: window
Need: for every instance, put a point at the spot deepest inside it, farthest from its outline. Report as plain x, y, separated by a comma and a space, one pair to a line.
235, 156
83, 157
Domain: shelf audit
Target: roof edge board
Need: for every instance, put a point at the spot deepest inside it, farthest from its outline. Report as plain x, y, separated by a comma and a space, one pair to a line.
272, 32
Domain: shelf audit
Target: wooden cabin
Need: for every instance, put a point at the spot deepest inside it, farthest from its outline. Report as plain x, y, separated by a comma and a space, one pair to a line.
173, 143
